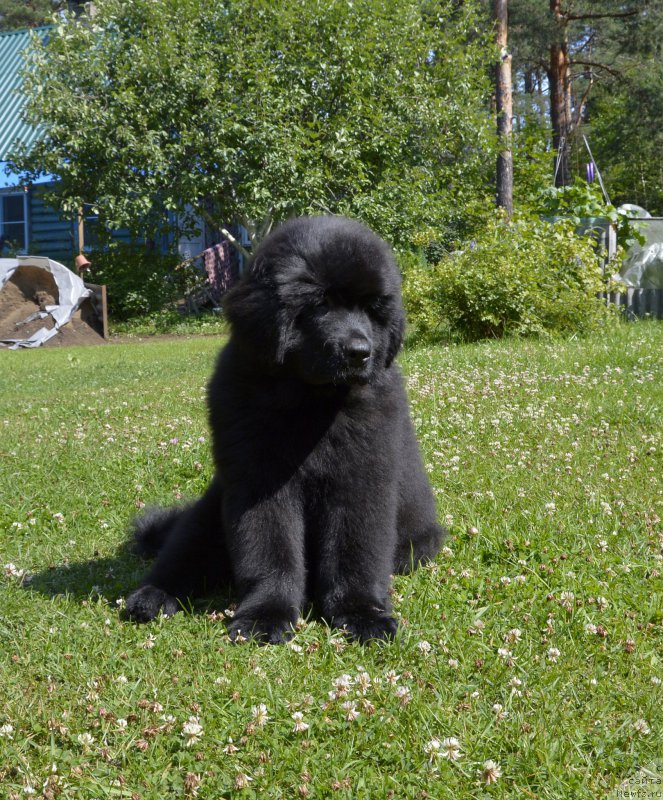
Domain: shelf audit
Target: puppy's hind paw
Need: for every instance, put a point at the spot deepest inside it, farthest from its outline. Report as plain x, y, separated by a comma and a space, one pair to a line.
145, 604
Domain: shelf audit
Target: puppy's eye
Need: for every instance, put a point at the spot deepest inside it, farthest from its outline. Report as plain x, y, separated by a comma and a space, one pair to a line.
378, 306
331, 300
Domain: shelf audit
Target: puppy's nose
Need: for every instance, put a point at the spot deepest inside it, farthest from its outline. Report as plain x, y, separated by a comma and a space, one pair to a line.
358, 351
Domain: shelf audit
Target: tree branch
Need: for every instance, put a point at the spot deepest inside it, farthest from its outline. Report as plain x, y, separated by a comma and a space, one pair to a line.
614, 15
595, 65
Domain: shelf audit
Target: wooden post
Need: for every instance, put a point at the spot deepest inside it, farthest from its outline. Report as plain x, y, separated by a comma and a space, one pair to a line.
81, 231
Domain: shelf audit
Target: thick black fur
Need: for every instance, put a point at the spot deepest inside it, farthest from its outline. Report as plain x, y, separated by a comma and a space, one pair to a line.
319, 492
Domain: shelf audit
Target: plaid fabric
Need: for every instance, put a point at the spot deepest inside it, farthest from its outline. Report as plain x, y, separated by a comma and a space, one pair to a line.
218, 266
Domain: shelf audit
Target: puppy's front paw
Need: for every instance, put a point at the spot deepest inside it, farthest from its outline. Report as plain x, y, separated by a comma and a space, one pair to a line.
264, 630
145, 604
367, 626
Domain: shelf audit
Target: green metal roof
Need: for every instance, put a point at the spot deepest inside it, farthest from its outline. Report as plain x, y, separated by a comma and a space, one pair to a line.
12, 127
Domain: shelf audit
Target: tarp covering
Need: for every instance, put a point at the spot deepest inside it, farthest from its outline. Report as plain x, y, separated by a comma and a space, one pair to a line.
643, 266
71, 293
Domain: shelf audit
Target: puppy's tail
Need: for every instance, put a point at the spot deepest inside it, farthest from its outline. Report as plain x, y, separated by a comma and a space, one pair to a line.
152, 528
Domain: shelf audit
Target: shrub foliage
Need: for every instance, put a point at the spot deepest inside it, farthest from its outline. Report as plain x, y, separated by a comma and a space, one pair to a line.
139, 281
527, 277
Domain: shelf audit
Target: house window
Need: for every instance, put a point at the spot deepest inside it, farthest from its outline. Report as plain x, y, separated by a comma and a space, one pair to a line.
13, 222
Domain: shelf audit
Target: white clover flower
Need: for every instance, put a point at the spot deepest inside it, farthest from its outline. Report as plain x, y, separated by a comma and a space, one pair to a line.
424, 647
259, 715
641, 727
491, 771
453, 663
363, 681
602, 603
553, 654
432, 749
300, 725
342, 685
514, 635
368, 707
591, 629
122, 724
12, 571
404, 695
350, 708
242, 781
192, 730
502, 652
451, 748
339, 643
391, 677
6, 731
85, 739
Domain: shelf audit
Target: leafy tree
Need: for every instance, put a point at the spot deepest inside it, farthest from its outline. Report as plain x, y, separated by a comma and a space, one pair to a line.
564, 50
254, 110
625, 122
627, 138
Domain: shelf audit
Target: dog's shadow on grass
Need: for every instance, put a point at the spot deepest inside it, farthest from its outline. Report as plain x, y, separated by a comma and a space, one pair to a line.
110, 577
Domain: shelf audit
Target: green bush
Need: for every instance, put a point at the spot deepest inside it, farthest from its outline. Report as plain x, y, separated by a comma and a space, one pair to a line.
139, 281
523, 277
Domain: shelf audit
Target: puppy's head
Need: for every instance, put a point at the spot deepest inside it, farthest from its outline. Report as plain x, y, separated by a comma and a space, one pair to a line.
321, 301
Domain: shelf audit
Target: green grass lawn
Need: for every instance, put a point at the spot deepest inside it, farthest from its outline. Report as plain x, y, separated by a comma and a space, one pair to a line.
529, 659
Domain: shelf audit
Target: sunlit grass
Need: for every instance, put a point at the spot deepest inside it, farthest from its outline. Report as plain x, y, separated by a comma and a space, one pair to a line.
528, 663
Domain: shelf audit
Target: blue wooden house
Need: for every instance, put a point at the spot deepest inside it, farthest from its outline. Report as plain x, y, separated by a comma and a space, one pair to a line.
27, 224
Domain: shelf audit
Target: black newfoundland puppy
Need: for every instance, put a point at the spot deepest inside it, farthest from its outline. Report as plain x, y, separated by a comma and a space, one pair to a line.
319, 492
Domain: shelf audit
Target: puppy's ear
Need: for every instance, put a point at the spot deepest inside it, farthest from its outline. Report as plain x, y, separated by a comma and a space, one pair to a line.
256, 314
251, 307
395, 332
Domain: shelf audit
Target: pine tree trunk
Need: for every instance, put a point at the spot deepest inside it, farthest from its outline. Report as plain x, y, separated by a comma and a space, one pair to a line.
560, 100
504, 110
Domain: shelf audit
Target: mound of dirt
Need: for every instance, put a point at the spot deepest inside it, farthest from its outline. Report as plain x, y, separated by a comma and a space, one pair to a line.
27, 292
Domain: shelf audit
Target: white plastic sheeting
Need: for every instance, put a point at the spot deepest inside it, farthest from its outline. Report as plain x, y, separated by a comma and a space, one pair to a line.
71, 293
643, 266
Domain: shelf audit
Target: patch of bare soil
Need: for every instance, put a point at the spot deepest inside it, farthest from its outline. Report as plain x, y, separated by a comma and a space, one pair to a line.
28, 291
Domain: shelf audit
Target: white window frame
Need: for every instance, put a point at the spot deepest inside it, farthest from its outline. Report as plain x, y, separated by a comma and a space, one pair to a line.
24, 195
